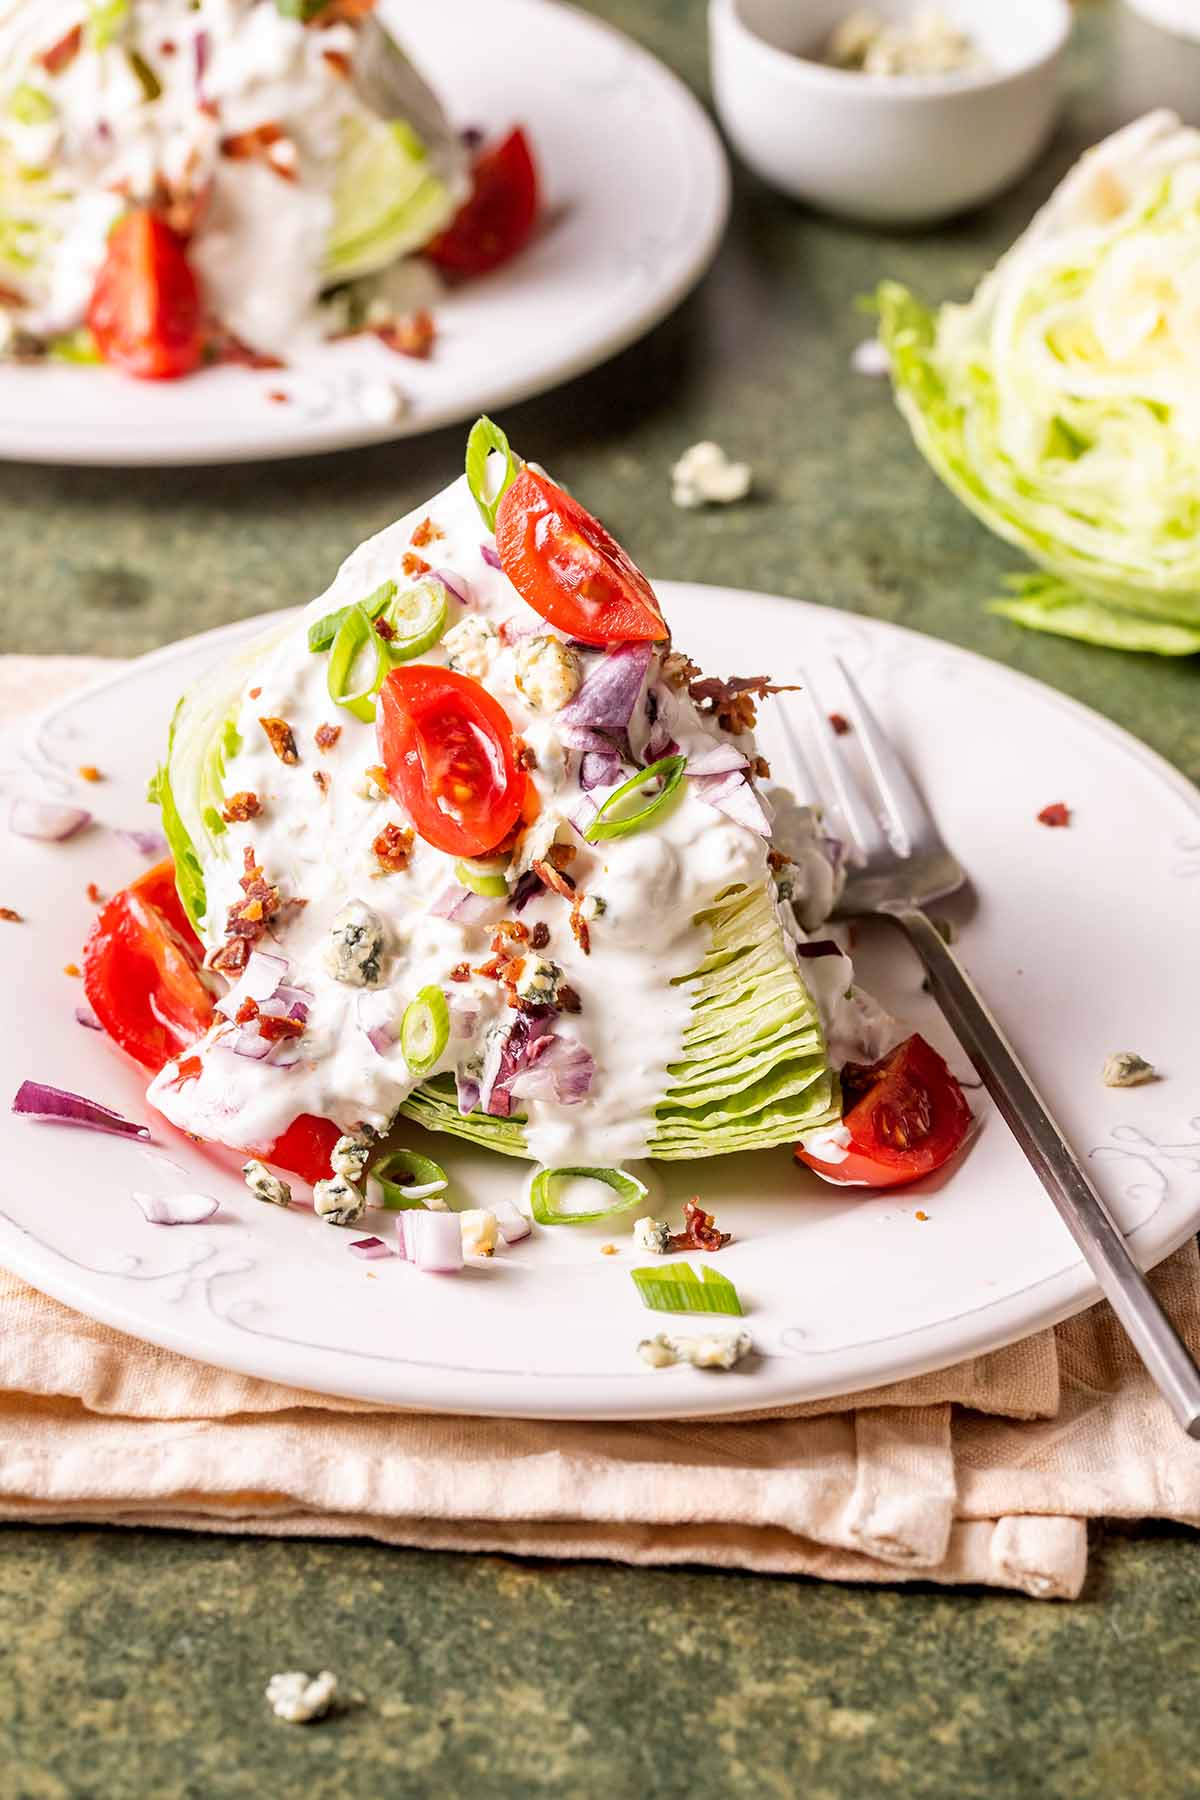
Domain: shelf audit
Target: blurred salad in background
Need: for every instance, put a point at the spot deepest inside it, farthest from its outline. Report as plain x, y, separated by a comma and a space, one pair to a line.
1062, 403
188, 181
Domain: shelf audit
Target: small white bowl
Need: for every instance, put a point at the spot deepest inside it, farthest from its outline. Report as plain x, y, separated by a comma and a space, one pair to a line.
886, 149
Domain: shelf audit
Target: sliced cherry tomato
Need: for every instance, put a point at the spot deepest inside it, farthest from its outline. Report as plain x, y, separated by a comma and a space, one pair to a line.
906, 1116
141, 971
564, 563
498, 219
448, 749
305, 1148
145, 311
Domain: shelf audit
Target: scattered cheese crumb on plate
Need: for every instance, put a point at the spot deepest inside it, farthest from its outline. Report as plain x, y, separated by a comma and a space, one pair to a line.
705, 476
297, 1698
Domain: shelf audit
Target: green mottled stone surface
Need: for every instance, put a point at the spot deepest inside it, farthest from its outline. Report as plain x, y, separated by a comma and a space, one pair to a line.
133, 1664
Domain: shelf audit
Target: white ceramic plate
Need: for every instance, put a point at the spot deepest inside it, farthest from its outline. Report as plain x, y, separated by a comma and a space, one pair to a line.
636, 192
1084, 939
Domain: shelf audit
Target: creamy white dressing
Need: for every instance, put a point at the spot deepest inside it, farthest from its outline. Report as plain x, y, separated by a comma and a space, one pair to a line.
635, 1002
260, 242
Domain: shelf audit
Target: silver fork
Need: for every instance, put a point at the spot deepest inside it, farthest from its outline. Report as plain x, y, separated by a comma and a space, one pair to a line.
899, 865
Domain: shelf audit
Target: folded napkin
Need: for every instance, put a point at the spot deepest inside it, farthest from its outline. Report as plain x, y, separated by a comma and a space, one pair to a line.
985, 1473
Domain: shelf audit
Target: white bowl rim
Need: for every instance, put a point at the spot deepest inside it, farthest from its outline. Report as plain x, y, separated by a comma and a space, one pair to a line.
899, 87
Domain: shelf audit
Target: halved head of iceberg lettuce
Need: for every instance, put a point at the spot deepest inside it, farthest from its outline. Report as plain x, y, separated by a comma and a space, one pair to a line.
754, 1071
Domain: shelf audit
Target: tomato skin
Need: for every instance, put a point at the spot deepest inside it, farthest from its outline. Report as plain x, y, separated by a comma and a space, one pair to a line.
908, 1117
141, 971
443, 736
498, 218
565, 565
145, 310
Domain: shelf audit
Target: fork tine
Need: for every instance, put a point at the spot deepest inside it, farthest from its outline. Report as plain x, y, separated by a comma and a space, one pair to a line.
867, 839
907, 816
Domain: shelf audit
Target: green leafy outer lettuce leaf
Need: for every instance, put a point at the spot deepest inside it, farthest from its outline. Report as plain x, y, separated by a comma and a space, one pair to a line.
1044, 603
754, 1072
1055, 407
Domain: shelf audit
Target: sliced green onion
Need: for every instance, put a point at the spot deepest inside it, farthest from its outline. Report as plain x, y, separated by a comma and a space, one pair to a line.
147, 80
418, 618
105, 19
630, 1192
354, 633
29, 106
486, 437
425, 1030
322, 634
676, 1288
614, 820
74, 347
406, 1179
487, 878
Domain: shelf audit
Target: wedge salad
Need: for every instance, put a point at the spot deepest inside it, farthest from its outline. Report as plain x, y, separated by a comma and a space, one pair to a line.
188, 181
470, 843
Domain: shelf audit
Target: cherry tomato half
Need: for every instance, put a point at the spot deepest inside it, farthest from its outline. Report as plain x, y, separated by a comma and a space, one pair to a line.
141, 971
906, 1116
305, 1148
448, 749
566, 566
498, 218
145, 311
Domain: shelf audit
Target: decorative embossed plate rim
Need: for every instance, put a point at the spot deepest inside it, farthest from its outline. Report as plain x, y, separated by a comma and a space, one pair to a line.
1083, 939
637, 193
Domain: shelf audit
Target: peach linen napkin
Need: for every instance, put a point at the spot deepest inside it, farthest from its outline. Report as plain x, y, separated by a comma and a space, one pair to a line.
983, 1473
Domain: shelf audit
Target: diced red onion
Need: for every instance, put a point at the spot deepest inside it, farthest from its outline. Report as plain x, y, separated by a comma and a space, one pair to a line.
490, 557
599, 768
431, 1240
455, 585
467, 1090
56, 1106
370, 1249
85, 1016
258, 981
511, 1221
582, 737
464, 1017
732, 795
175, 1209
820, 947
465, 908
379, 1017
660, 743
509, 1054
146, 843
721, 759
561, 1070
201, 45
286, 1053
608, 696
45, 820
583, 815
248, 1043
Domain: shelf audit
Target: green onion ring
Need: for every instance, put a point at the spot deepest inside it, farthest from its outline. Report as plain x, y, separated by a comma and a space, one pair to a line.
415, 1172
669, 769
425, 1030
541, 1194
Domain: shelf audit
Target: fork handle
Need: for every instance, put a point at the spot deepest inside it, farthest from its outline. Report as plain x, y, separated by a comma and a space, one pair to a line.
1083, 1211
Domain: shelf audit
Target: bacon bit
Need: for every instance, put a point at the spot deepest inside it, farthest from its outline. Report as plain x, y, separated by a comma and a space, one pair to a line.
281, 739
840, 723
246, 1013
89, 772
240, 807
326, 736
10, 297
524, 754
732, 701
60, 55
568, 999
248, 918
1055, 814
190, 1069
341, 12
761, 767
414, 565
231, 958
461, 972
167, 47
554, 878
699, 1230
339, 63
677, 669
609, 1250
378, 774
11, 916
924, 1217
385, 629
511, 931
539, 937
777, 860
321, 779
425, 533
94, 894
241, 146
579, 926
275, 1030
561, 855
72, 969
414, 336
277, 397
255, 692
393, 847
